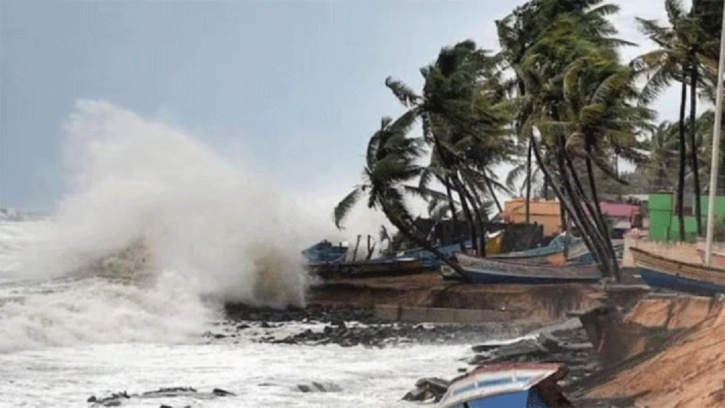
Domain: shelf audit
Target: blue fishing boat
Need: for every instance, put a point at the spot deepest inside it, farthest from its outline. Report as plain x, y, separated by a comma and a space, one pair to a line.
327, 260
660, 272
325, 252
430, 261
542, 254
491, 271
518, 385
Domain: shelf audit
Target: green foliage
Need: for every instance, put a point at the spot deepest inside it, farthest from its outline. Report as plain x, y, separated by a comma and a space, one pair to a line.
557, 103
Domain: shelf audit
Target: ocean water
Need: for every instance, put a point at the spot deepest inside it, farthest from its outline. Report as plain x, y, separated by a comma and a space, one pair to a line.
63, 340
114, 290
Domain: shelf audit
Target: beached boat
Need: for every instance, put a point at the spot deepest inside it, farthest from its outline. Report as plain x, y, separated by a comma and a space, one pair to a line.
717, 260
369, 268
489, 270
325, 252
660, 272
430, 261
546, 255
518, 385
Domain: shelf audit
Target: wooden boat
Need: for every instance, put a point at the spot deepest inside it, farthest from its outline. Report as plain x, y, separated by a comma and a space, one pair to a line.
430, 261
369, 268
489, 270
325, 252
717, 260
517, 385
660, 272
543, 255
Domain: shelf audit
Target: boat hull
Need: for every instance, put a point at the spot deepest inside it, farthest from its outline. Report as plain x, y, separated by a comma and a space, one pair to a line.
368, 269
430, 261
517, 385
657, 279
487, 271
660, 272
717, 259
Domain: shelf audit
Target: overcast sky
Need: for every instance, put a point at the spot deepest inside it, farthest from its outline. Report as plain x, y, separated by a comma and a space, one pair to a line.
297, 85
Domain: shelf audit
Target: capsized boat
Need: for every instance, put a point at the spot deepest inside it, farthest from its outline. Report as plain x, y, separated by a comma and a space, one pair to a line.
518, 385
660, 272
489, 270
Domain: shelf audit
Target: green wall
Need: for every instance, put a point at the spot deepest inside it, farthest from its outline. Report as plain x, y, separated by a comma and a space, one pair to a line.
664, 224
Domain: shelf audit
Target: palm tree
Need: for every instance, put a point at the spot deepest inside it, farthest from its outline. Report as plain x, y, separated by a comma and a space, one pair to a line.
566, 39
662, 145
683, 46
465, 118
601, 121
391, 163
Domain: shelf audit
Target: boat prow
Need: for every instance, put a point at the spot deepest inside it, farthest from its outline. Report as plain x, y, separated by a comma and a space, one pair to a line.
661, 272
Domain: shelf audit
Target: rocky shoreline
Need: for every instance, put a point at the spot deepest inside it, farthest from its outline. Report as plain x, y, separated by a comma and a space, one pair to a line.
564, 342
349, 326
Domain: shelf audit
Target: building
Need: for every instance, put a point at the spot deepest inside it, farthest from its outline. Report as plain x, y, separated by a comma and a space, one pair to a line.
548, 214
664, 224
543, 212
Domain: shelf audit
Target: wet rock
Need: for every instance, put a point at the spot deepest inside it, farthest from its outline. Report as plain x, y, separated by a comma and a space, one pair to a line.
318, 387
117, 399
222, 393
428, 389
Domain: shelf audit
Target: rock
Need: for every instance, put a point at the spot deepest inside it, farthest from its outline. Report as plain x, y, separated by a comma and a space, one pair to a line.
116, 399
318, 387
165, 406
219, 336
417, 395
427, 389
222, 393
92, 398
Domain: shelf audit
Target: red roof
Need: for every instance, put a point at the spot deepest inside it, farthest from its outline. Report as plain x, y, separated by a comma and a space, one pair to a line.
618, 209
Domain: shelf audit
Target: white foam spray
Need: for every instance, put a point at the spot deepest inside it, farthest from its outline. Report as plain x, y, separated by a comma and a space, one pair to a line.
211, 228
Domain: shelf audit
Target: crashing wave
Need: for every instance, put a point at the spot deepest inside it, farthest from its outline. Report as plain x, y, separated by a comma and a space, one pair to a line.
133, 264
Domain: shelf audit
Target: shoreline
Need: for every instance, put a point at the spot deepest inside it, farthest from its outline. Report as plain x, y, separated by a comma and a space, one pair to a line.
643, 325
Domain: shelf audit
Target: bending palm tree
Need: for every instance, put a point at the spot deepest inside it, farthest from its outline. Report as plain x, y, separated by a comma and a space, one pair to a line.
390, 163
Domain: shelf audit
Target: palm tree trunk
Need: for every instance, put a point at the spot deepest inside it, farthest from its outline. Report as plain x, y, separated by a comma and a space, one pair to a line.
493, 193
570, 208
528, 182
679, 208
466, 212
693, 145
600, 217
577, 197
594, 208
477, 206
454, 215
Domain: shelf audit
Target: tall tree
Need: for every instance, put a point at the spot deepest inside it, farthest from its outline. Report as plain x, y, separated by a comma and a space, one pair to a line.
683, 46
390, 164
465, 118
566, 37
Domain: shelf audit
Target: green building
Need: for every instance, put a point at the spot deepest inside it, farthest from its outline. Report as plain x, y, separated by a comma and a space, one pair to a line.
664, 224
